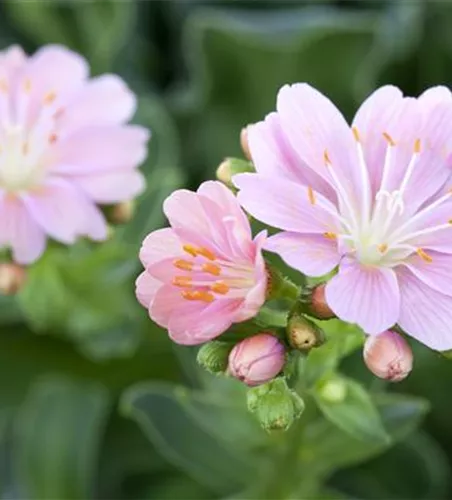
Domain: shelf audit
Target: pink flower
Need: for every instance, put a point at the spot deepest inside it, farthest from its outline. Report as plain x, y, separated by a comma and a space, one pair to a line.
257, 359
388, 356
64, 147
374, 199
205, 272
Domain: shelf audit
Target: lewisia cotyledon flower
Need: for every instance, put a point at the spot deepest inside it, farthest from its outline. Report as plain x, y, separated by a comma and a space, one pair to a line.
206, 271
374, 198
64, 148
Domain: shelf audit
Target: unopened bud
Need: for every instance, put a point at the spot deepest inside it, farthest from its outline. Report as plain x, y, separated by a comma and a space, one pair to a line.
313, 302
304, 334
257, 359
12, 278
244, 143
122, 212
275, 405
232, 166
388, 356
213, 356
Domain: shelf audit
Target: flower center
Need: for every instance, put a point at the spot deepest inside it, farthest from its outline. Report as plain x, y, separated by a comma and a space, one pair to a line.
379, 231
209, 277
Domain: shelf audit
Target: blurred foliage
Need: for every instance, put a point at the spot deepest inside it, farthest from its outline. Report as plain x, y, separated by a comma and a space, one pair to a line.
95, 402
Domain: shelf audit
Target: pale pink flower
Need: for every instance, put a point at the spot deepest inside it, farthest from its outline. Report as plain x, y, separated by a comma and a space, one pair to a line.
388, 356
206, 271
374, 198
257, 359
64, 148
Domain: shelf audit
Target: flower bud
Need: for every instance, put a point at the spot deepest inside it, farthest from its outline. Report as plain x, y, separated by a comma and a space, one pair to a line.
275, 405
313, 302
122, 212
12, 278
230, 167
257, 359
388, 356
244, 143
303, 334
213, 356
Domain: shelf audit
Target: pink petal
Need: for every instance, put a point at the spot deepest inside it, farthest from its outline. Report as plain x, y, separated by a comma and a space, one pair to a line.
254, 300
145, 288
425, 314
167, 301
64, 213
436, 274
105, 100
195, 324
100, 149
367, 296
20, 231
160, 245
313, 126
284, 204
313, 255
273, 156
434, 95
112, 187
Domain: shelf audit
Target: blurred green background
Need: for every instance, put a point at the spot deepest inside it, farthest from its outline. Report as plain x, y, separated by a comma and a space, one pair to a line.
95, 401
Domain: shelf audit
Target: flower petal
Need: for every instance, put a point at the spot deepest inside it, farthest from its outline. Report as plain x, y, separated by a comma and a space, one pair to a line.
20, 231
367, 296
425, 314
285, 205
313, 255
437, 274
145, 288
105, 100
112, 187
160, 245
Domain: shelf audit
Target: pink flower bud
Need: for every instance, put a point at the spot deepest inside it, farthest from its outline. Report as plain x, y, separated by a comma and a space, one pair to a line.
388, 356
319, 306
244, 143
12, 278
257, 360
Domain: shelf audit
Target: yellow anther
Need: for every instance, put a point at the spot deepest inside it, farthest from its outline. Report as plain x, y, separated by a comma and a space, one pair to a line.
198, 295
356, 134
220, 287
183, 281
27, 85
311, 195
326, 157
389, 139
183, 264
382, 247
330, 236
205, 252
52, 138
190, 249
211, 269
417, 146
424, 256
49, 97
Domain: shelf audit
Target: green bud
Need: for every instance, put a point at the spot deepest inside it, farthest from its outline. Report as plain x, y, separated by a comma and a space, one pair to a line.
275, 405
232, 166
213, 356
303, 334
333, 389
280, 287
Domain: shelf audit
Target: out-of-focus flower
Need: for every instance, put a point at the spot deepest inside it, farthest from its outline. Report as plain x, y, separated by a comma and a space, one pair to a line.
12, 278
206, 271
244, 143
257, 359
374, 198
64, 148
122, 212
388, 356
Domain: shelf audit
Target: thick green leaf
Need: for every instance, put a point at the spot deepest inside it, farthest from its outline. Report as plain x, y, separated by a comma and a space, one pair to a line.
58, 430
354, 411
179, 437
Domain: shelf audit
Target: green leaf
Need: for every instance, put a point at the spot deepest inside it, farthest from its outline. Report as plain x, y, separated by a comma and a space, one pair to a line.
328, 448
354, 411
179, 438
58, 430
